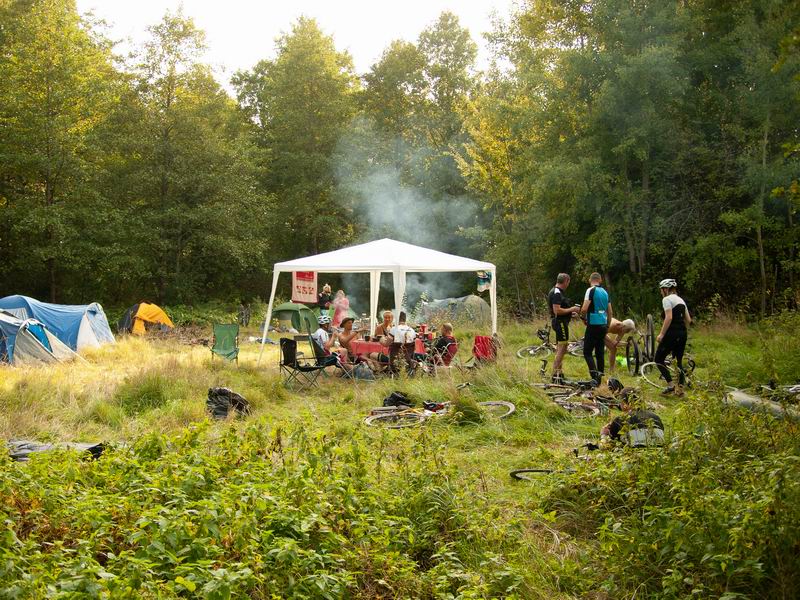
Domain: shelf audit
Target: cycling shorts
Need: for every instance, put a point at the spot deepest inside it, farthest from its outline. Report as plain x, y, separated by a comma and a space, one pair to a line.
562, 330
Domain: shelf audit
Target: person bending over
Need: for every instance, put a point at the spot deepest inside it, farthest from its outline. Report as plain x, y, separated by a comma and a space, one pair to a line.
598, 311
561, 311
620, 329
673, 335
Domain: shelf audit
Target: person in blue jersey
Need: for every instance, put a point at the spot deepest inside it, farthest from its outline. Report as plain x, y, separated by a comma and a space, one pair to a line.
597, 311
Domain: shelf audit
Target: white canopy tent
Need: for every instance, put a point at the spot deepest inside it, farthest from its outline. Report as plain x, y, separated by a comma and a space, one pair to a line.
384, 256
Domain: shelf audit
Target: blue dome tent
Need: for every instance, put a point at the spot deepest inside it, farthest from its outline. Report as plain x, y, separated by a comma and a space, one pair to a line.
78, 326
26, 341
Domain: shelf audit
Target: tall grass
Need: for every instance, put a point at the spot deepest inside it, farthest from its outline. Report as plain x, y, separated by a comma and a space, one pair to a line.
357, 512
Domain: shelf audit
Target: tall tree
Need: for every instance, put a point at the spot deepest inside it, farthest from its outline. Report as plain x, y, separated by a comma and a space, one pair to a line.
55, 90
302, 102
194, 218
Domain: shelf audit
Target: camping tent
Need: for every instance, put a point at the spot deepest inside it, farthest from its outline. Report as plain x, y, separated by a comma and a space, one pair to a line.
78, 326
384, 256
26, 341
297, 316
472, 308
139, 318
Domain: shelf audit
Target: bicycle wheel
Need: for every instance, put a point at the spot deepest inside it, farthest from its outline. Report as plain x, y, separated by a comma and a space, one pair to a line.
650, 340
498, 408
395, 420
575, 348
652, 375
532, 351
525, 474
632, 356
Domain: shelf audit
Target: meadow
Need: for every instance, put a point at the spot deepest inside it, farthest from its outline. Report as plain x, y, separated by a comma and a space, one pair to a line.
301, 500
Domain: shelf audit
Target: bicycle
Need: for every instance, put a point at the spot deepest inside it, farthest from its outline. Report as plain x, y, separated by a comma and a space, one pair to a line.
574, 348
578, 398
642, 350
393, 417
652, 374
524, 474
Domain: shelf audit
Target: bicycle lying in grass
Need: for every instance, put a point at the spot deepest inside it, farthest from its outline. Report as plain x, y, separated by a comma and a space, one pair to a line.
529, 474
546, 347
578, 397
398, 417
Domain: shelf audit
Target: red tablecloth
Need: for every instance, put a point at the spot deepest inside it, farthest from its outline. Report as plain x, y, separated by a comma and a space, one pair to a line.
360, 347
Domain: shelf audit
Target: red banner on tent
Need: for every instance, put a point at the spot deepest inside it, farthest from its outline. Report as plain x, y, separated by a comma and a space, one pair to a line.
304, 287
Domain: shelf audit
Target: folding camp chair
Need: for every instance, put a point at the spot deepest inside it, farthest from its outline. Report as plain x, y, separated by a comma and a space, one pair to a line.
226, 341
402, 355
328, 360
295, 369
484, 351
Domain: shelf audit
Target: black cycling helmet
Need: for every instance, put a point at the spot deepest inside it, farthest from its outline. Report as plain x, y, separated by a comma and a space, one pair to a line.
614, 384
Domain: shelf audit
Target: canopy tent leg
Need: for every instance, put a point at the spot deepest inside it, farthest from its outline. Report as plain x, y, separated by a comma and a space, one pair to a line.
493, 298
269, 315
399, 282
374, 291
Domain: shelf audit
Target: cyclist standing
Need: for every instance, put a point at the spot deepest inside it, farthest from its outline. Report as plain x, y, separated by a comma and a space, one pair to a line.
673, 335
597, 309
561, 311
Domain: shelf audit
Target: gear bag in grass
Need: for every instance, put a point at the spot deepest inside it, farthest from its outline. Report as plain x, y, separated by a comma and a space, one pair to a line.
221, 400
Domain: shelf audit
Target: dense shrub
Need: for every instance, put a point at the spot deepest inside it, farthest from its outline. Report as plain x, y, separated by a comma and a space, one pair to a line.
715, 514
255, 513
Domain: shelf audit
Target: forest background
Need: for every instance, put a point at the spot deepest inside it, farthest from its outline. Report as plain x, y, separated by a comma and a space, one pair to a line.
641, 139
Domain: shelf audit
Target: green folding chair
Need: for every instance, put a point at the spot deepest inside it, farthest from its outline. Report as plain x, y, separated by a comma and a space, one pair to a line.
226, 341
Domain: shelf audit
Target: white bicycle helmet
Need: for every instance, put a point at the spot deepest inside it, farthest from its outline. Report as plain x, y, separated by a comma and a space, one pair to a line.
323, 319
668, 283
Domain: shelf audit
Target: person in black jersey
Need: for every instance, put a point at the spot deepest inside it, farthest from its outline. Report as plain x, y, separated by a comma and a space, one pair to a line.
673, 335
561, 311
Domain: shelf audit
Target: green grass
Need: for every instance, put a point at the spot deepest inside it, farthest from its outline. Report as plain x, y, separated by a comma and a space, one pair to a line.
302, 500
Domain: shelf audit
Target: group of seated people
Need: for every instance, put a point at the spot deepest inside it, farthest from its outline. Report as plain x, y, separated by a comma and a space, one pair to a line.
386, 333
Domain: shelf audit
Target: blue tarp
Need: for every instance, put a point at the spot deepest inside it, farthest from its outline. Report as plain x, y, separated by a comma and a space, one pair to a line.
63, 320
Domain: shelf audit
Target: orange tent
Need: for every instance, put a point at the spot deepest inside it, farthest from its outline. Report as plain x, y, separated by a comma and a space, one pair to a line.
143, 316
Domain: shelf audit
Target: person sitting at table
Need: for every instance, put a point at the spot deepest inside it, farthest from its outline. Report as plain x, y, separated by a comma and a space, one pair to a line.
402, 333
346, 336
324, 339
442, 344
380, 360
384, 327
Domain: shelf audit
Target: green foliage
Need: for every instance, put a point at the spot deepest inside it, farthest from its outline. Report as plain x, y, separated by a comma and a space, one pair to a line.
629, 139
715, 515
256, 512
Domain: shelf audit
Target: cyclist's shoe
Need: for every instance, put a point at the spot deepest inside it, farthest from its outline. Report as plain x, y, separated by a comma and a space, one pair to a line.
670, 389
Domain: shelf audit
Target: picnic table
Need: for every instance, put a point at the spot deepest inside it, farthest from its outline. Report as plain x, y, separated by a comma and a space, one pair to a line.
361, 347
